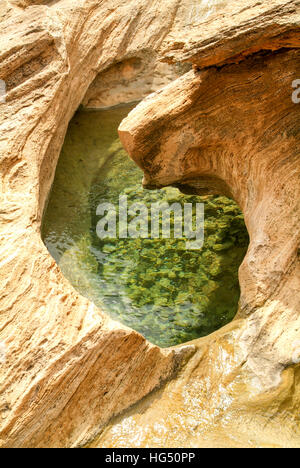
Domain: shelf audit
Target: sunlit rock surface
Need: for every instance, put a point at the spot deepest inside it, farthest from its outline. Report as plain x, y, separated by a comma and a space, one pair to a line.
158, 287
66, 368
233, 128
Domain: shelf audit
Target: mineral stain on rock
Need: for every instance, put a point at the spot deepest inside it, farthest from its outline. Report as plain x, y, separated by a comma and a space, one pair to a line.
168, 293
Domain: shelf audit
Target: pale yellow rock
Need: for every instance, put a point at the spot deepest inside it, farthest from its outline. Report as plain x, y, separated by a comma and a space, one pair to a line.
66, 368
233, 130
213, 403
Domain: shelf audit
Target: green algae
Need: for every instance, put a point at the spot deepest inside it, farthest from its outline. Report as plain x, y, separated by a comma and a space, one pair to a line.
169, 294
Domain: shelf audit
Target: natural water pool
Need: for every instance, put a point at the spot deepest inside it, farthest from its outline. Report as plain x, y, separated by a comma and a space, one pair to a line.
169, 294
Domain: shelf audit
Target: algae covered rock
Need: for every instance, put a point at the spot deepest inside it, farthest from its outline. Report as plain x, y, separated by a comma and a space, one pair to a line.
156, 286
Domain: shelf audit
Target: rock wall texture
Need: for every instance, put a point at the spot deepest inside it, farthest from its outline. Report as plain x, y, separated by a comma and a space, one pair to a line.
66, 368
232, 127
227, 126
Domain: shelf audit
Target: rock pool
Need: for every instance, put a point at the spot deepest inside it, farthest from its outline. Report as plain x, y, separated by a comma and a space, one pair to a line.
156, 286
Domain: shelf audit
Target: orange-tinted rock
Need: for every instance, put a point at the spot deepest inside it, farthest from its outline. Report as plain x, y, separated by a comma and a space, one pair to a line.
66, 368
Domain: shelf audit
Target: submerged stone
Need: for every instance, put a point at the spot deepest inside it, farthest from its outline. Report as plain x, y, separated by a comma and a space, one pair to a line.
156, 286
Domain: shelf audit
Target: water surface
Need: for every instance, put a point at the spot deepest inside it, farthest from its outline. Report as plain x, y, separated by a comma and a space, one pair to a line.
156, 286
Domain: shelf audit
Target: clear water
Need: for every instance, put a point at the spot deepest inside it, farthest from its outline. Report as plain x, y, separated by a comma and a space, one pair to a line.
169, 294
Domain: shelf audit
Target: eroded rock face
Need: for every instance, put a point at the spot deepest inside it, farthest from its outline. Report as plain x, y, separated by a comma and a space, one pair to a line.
201, 141
231, 126
131, 80
66, 368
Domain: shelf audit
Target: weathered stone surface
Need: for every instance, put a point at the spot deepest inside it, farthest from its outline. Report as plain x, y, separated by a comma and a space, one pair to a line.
214, 402
238, 30
131, 80
66, 368
234, 130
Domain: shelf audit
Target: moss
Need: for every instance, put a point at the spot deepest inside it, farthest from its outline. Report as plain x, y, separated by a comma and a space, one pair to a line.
156, 286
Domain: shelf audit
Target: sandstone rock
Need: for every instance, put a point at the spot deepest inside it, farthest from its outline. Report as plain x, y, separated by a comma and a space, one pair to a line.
131, 80
237, 31
235, 130
66, 368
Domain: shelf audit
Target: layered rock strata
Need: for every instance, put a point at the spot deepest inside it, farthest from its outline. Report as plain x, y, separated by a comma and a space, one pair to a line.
228, 126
